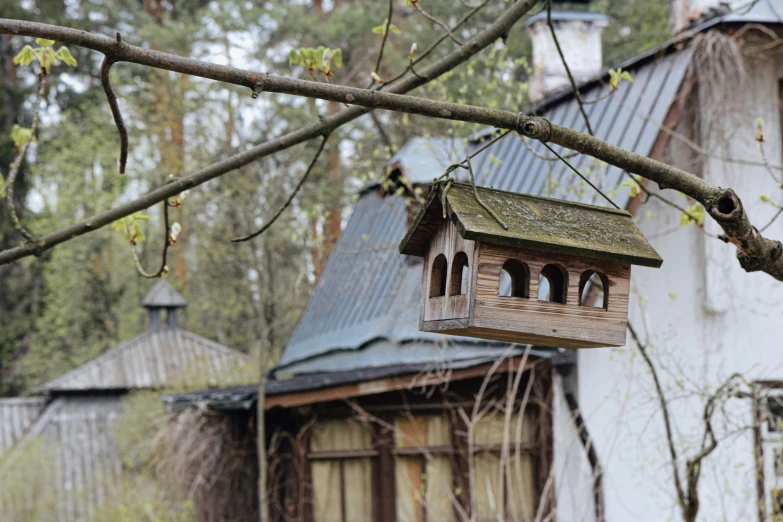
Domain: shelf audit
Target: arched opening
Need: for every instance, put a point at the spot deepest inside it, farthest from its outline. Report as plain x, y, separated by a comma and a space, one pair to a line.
596, 293
552, 284
438, 276
514, 279
460, 273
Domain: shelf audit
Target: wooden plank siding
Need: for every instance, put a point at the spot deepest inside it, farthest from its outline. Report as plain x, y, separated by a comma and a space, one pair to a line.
526, 320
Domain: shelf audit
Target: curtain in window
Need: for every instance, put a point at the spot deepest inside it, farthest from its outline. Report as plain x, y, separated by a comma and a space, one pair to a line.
345, 481
424, 485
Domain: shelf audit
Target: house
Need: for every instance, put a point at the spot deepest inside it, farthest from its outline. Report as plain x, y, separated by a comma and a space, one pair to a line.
357, 376
68, 428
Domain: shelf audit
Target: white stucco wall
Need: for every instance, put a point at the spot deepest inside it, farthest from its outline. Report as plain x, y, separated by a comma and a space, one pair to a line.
705, 318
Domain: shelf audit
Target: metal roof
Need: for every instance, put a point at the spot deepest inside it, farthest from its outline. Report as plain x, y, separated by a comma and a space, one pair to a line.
153, 359
630, 117
532, 222
16, 417
422, 158
162, 295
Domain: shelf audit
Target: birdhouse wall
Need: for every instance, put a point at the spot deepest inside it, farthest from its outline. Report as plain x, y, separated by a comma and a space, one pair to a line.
562, 318
568, 324
447, 286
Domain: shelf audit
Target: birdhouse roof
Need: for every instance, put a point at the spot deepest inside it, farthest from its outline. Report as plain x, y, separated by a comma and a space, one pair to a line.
534, 222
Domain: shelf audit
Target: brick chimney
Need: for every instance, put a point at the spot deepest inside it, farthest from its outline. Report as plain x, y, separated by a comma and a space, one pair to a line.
684, 13
579, 34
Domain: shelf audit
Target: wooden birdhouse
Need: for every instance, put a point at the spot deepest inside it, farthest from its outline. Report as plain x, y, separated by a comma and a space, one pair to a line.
559, 275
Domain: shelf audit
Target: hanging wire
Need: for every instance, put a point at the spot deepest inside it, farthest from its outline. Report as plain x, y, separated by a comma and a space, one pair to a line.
607, 198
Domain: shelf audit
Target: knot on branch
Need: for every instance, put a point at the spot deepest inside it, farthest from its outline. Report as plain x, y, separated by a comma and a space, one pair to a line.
756, 263
259, 84
534, 127
726, 206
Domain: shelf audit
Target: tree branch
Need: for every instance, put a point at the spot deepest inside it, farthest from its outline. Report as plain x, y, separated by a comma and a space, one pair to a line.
574, 88
500, 27
290, 197
755, 253
115, 110
17, 163
164, 254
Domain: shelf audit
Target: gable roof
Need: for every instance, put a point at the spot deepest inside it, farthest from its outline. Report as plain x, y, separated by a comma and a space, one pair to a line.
368, 293
421, 156
162, 295
153, 359
533, 222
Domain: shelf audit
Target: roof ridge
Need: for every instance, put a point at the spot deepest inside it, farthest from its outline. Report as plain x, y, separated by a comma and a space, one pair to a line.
587, 206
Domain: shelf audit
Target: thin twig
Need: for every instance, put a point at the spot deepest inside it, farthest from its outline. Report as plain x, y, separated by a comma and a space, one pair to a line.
290, 197
17, 163
667, 202
665, 411
436, 44
436, 22
568, 70
462, 164
383, 41
541, 156
478, 198
766, 163
777, 214
115, 111
607, 198
164, 254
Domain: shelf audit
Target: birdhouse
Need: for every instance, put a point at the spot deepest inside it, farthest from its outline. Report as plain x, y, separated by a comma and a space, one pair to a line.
546, 272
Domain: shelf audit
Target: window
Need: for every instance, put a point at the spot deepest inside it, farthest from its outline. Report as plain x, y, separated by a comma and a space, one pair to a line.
423, 484
460, 275
514, 279
552, 284
594, 290
341, 458
503, 490
438, 276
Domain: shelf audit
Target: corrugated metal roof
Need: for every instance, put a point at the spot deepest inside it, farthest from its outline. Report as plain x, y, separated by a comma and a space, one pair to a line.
16, 417
368, 291
423, 158
162, 295
154, 359
80, 433
629, 118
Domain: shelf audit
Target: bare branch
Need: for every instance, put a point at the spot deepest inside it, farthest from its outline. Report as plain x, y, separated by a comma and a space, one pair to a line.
17, 163
574, 88
501, 26
115, 111
436, 21
290, 197
383, 41
164, 253
665, 411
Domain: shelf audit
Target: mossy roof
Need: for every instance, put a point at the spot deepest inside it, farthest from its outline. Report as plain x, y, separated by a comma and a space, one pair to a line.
534, 222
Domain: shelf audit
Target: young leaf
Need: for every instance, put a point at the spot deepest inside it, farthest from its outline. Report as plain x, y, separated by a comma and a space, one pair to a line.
65, 55
695, 210
43, 42
379, 29
25, 56
293, 57
21, 135
337, 57
759, 129
394, 29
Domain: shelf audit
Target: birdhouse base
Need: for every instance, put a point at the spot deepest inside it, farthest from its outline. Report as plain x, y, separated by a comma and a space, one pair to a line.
557, 339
